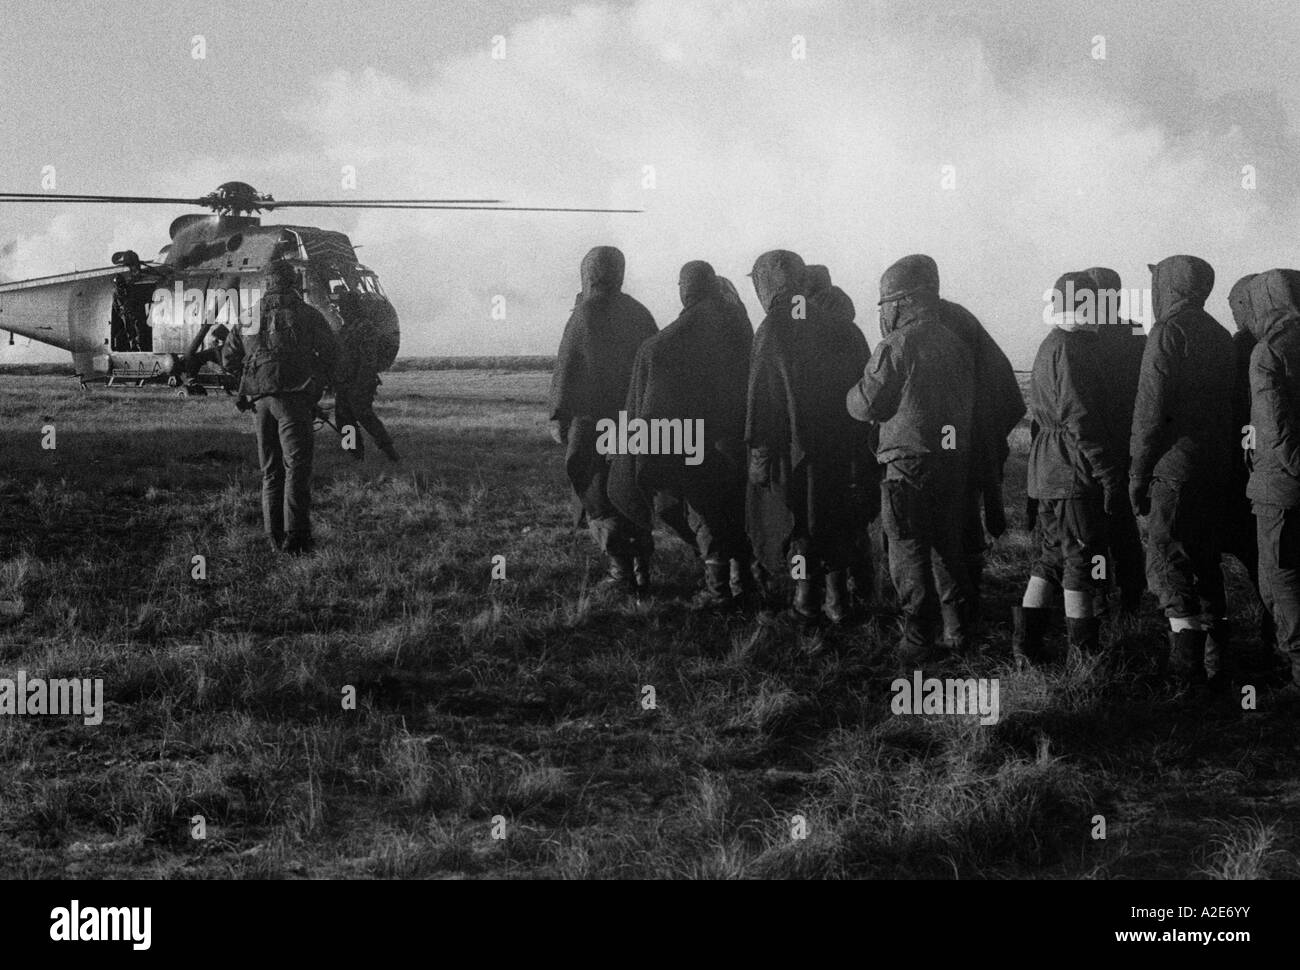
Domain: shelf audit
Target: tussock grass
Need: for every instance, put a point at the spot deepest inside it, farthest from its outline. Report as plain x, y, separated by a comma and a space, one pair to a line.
523, 702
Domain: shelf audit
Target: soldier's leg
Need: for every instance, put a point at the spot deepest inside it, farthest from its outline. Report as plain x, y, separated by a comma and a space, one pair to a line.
1171, 573
1279, 576
266, 422
906, 524
1032, 616
949, 511
297, 443
365, 413
1084, 545
1128, 558
345, 417
973, 545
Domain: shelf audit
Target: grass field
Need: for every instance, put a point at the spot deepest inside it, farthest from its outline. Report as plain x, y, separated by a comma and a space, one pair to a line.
514, 708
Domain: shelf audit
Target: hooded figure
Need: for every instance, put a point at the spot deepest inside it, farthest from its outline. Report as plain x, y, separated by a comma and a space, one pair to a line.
839, 309
589, 386
1240, 528
1120, 344
801, 442
998, 408
1075, 471
1182, 451
282, 365
692, 377
919, 390
1274, 490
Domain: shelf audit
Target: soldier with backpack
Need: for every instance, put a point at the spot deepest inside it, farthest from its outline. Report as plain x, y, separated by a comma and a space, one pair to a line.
282, 362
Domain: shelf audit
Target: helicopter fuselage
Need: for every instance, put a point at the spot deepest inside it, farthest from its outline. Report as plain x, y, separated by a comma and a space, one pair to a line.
138, 322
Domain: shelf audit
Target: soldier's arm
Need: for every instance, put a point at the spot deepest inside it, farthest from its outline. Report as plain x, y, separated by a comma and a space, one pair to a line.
1150, 412
1269, 388
1083, 387
875, 398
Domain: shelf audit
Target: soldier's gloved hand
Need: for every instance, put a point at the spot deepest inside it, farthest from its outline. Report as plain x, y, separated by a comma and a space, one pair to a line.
760, 467
242, 403
558, 433
1139, 495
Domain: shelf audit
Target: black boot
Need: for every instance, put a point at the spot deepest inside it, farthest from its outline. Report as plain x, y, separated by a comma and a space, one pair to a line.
1030, 627
389, 451
807, 600
1187, 657
1217, 654
1084, 634
837, 607
716, 594
620, 575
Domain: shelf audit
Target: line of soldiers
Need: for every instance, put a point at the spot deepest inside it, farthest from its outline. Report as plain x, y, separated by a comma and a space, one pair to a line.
283, 366
810, 437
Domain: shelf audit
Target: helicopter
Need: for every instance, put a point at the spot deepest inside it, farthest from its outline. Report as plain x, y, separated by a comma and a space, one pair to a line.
138, 322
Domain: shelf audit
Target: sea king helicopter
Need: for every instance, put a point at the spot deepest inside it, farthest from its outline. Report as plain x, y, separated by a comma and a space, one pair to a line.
140, 322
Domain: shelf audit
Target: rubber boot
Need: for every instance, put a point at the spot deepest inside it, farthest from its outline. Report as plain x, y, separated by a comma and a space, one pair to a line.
807, 600
1028, 631
1084, 634
837, 607
620, 575
1187, 657
389, 451
744, 587
1217, 653
641, 574
716, 594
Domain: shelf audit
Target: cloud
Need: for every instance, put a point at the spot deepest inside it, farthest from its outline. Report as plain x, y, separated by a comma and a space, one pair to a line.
699, 113
839, 156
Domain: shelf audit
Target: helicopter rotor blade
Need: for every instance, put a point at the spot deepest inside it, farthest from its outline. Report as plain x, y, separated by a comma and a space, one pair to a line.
464, 208
63, 197
331, 203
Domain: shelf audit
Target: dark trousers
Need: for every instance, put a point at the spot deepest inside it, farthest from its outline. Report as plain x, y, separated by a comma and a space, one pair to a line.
355, 405
1127, 557
1279, 574
284, 450
1071, 533
922, 519
1184, 541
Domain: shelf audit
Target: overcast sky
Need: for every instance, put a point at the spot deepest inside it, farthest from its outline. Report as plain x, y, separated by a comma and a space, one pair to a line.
1060, 159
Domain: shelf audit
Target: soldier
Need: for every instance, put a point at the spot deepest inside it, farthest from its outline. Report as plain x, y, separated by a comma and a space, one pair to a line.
695, 370
281, 366
864, 485
356, 379
919, 388
1181, 447
1241, 534
1273, 320
1120, 344
590, 383
1075, 472
800, 442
